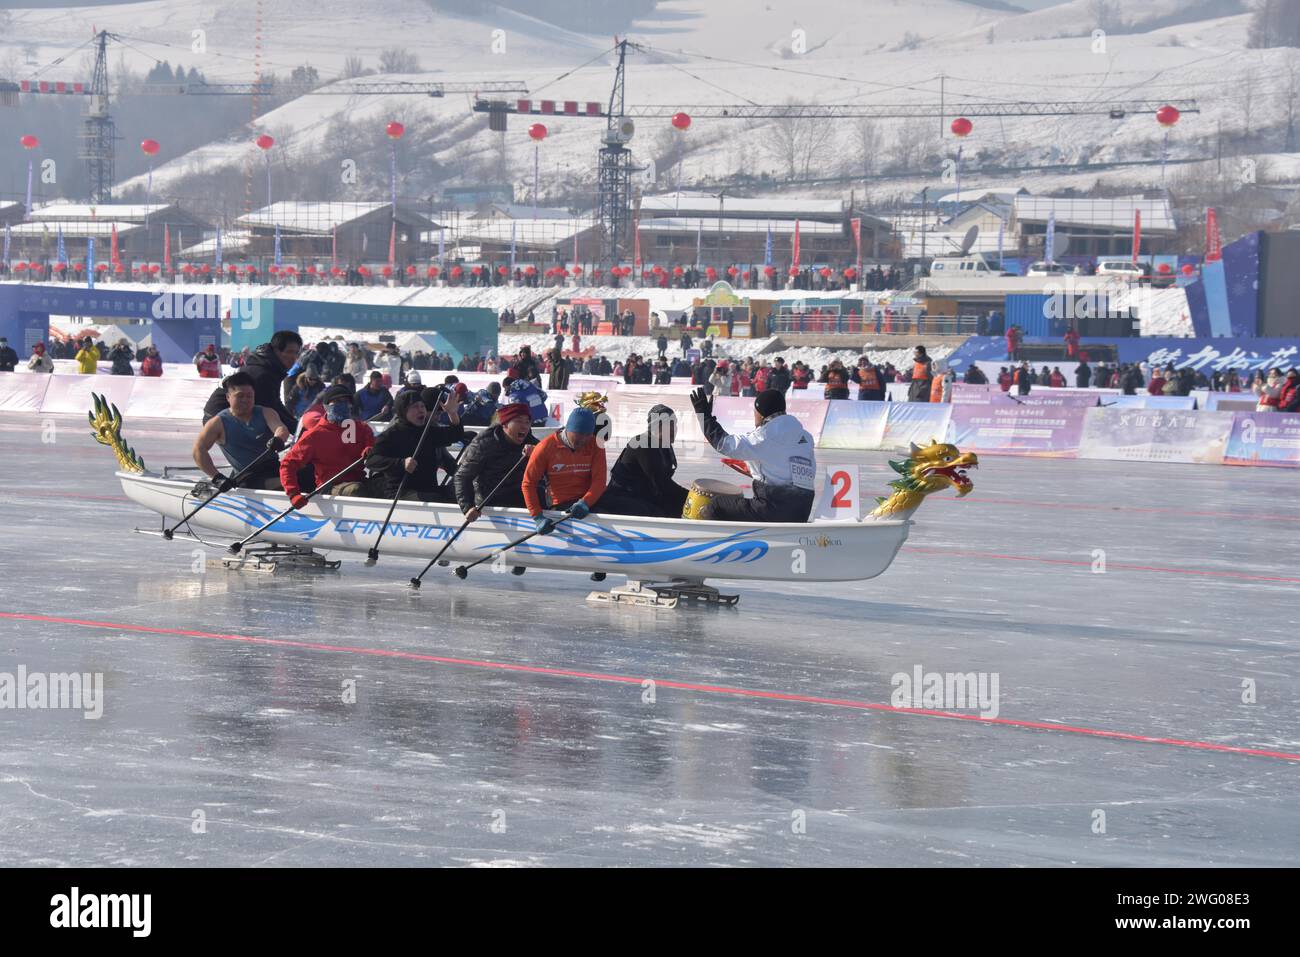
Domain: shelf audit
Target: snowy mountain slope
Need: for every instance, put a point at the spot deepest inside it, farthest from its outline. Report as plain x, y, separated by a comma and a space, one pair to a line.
851, 55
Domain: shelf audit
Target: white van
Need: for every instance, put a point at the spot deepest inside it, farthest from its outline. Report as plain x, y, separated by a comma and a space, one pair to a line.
962, 266
1124, 269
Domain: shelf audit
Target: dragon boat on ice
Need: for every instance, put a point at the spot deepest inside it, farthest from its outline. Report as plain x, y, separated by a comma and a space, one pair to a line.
664, 559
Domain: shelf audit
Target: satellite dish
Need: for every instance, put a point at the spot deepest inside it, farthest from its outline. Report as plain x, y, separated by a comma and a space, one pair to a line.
969, 240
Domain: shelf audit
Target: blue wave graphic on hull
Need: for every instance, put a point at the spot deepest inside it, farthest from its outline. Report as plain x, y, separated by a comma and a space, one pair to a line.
255, 513
585, 540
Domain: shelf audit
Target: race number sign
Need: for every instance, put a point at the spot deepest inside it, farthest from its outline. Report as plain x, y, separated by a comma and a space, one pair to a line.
840, 499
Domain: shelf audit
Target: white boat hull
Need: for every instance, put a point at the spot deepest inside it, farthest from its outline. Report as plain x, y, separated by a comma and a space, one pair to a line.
639, 547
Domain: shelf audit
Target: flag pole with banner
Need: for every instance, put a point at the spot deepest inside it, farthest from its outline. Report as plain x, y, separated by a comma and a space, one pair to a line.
1049, 241
512, 247
167, 248
1137, 233
857, 242
1213, 241
795, 251
218, 252
61, 252
90, 263
636, 247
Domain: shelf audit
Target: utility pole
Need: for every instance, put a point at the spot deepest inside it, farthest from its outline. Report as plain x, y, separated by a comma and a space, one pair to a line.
925, 215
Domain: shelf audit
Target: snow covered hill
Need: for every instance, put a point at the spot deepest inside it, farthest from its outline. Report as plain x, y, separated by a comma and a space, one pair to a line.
704, 52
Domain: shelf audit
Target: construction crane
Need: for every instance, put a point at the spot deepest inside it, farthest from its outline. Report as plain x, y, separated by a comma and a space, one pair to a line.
340, 88
614, 164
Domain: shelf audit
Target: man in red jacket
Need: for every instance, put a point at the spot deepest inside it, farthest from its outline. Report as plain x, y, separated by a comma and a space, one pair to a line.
1289, 400
573, 464
330, 446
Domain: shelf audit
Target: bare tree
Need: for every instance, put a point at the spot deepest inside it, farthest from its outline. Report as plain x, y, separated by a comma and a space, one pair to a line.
353, 68
914, 145
1247, 103
869, 142
398, 60
798, 143
1291, 99
1104, 15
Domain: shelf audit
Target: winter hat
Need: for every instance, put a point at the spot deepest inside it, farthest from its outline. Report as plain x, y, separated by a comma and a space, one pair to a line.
581, 421
413, 378
336, 393
769, 402
403, 403
517, 410
660, 412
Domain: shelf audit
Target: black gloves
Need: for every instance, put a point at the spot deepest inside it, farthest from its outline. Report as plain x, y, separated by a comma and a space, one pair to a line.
701, 402
276, 444
223, 483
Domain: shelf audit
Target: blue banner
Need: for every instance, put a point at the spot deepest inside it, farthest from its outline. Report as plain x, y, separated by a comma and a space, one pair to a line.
1203, 355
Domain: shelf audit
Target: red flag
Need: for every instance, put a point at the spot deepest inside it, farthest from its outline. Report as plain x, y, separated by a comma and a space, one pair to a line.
857, 241
1213, 241
167, 248
113, 249
1137, 233
795, 263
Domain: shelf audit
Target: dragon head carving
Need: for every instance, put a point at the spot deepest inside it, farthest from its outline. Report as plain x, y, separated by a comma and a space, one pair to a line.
937, 466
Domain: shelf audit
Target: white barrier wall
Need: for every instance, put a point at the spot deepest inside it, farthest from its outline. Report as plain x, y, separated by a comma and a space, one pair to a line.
1132, 434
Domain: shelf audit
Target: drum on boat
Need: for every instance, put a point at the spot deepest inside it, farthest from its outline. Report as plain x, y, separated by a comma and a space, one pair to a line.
699, 502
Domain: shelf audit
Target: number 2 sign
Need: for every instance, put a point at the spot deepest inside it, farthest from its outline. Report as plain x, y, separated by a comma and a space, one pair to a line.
839, 499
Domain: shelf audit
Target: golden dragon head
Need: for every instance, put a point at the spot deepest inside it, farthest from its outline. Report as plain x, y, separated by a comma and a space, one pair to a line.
106, 427
937, 466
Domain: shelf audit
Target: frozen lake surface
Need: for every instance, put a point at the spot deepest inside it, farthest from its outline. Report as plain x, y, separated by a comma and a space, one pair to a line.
504, 720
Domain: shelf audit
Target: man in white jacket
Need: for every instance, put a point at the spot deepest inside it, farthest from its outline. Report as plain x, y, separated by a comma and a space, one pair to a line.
779, 453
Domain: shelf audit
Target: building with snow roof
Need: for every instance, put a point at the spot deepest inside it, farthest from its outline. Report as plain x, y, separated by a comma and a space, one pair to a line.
343, 231
141, 230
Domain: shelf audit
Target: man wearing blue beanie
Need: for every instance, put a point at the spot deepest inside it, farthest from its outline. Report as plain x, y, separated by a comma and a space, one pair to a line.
573, 464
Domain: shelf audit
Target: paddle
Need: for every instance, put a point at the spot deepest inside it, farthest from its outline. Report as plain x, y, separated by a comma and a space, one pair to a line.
415, 582
323, 485
372, 556
462, 571
274, 445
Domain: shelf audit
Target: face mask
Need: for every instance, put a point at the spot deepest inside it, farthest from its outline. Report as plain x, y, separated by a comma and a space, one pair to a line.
339, 412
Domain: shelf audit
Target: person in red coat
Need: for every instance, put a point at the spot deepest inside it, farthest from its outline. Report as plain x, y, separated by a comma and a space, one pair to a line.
1013, 342
209, 363
329, 447
151, 364
1071, 343
1057, 379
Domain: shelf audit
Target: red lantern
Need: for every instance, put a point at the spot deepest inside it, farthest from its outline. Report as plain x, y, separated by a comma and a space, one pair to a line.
60, 267
530, 270
291, 270
503, 270
395, 130
20, 267
710, 274
153, 269
962, 127
457, 272
264, 142
577, 270
387, 271
681, 121
336, 271
1167, 115
537, 131
769, 270
732, 270
101, 267
79, 267
29, 142
35, 267
678, 271
150, 147
432, 272
1189, 269
363, 271
825, 272
851, 273
206, 269
273, 270
1164, 269
251, 270
794, 271
232, 269
119, 269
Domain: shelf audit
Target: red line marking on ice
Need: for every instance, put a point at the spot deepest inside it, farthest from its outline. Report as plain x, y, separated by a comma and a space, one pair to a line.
47, 494
959, 553
1236, 516
661, 682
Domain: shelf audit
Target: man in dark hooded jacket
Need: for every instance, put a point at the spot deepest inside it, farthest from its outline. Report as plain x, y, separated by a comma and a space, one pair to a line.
395, 453
490, 459
641, 482
267, 365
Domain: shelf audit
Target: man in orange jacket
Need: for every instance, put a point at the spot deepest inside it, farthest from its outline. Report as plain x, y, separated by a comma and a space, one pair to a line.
573, 465
329, 447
